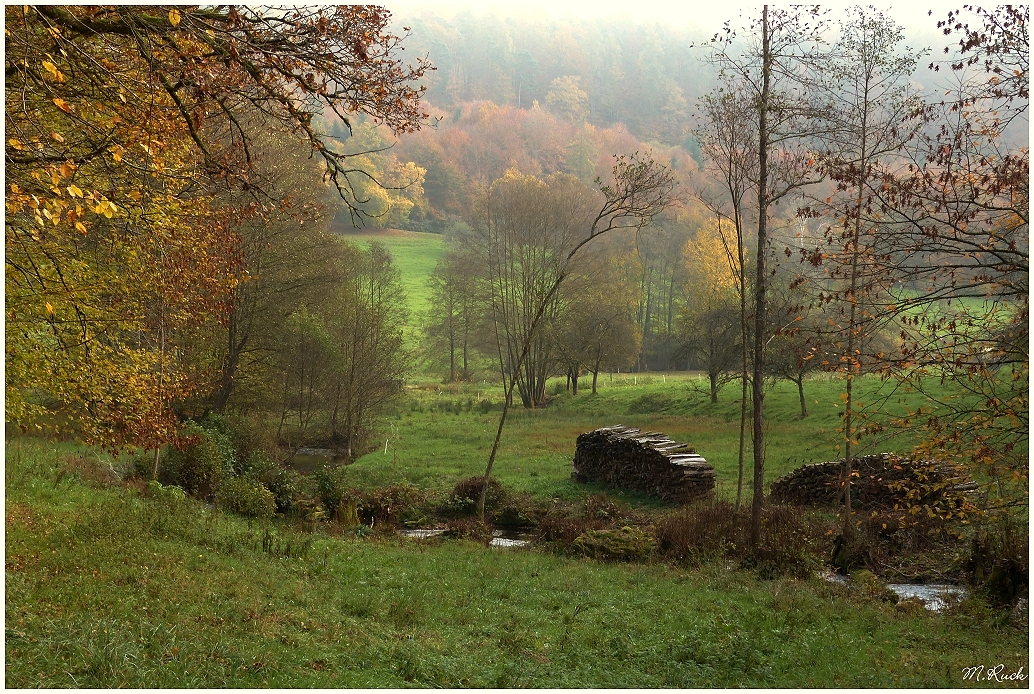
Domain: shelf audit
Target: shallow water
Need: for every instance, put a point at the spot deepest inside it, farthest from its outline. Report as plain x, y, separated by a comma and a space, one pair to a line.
422, 533
500, 538
307, 460
933, 595
510, 538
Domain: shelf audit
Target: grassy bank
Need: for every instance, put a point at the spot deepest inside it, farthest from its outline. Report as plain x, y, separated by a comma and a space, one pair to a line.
106, 587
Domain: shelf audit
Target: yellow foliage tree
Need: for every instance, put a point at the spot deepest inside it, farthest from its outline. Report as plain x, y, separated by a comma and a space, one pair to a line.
709, 320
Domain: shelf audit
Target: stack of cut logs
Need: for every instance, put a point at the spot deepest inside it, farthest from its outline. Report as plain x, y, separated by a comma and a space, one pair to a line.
882, 480
625, 458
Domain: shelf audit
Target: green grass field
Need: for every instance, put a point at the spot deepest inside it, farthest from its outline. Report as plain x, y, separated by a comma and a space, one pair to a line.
415, 254
440, 433
108, 588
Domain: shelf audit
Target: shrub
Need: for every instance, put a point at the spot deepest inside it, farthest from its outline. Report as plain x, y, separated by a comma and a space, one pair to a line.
329, 487
464, 498
626, 544
469, 528
200, 464
997, 564
871, 587
562, 529
518, 512
602, 507
714, 530
90, 469
246, 497
390, 505
288, 487
789, 543
141, 466
254, 446
169, 494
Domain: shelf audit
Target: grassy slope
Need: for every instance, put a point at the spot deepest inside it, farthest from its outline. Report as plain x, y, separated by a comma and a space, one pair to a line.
435, 446
415, 254
106, 588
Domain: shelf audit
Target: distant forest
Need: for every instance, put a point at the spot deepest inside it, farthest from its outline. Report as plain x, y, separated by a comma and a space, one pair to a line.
645, 76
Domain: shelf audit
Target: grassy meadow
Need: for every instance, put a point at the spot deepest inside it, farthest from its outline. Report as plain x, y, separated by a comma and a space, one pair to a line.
107, 587
442, 433
110, 583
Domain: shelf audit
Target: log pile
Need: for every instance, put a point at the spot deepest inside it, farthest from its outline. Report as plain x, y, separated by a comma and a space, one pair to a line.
626, 458
878, 481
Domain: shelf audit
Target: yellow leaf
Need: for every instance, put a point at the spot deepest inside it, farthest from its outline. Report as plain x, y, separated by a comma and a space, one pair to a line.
50, 67
74, 191
80, 228
50, 309
134, 195
63, 105
174, 17
57, 136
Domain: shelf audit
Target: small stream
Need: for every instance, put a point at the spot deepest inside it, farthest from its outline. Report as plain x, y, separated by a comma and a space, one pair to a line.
934, 596
500, 538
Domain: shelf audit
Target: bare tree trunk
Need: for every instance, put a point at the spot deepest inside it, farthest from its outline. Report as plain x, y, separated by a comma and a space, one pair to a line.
800, 392
759, 290
509, 391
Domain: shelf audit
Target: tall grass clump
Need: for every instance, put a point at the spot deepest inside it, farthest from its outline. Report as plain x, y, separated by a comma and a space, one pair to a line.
793, 542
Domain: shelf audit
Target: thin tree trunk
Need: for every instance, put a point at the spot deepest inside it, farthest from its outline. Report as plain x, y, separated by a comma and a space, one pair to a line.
800, 392
509, 391
852, 320
759, 290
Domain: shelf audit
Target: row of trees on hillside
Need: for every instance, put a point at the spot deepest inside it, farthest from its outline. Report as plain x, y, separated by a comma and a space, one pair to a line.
843, 223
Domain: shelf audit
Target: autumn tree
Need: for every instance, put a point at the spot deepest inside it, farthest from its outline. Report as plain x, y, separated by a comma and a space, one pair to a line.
524, 227
120, 122
798, 346
727, 141
365, 321
566, 98
285, 254
639, 189
870, 117
341, 359
779, 48
709, 321
598, 327
453, 316
961, 236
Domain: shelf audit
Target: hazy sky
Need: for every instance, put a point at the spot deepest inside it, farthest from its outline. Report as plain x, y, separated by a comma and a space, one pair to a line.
709, 16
